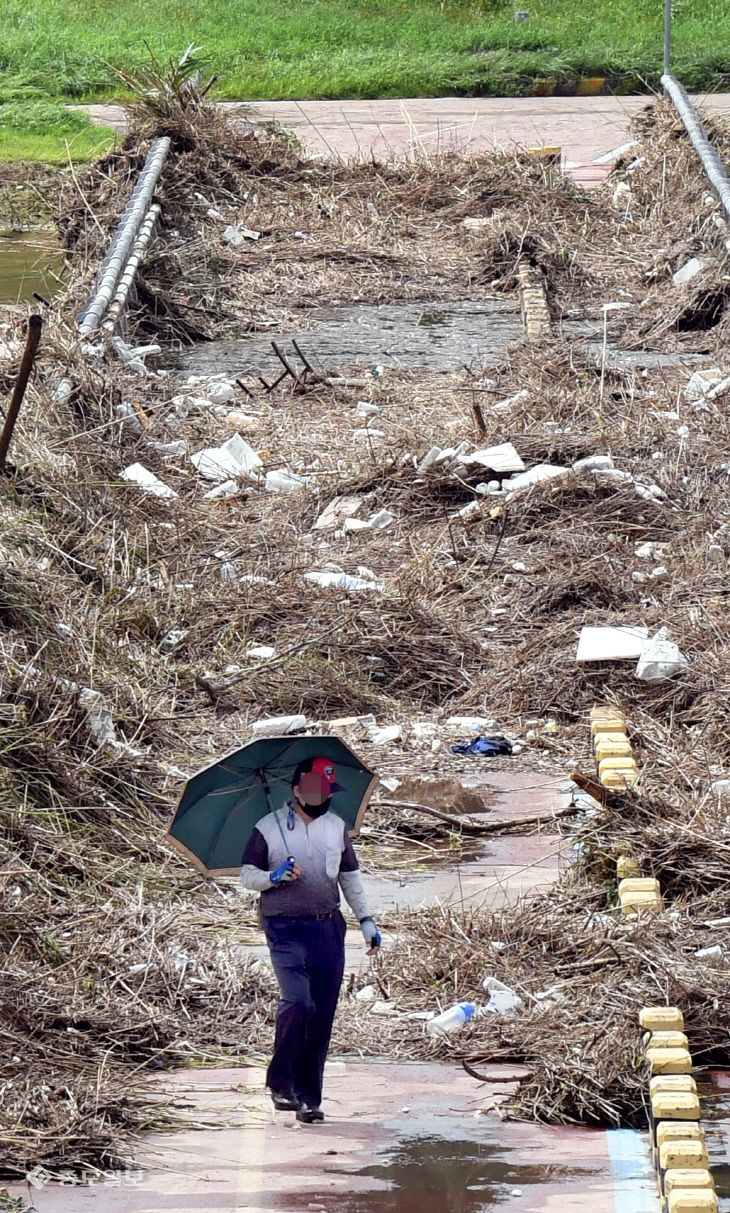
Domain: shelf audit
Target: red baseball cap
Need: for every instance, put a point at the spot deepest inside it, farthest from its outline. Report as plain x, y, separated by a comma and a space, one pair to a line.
326, 768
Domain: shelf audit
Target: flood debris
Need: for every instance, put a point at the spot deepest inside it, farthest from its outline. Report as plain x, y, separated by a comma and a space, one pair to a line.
457, 607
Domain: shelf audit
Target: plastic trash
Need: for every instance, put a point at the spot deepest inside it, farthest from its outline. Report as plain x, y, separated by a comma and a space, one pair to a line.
660, 658
136, 473
232, 458
450, 1020
502, 999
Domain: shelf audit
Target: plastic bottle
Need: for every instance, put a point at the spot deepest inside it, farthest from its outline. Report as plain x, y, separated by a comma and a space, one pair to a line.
451, 1020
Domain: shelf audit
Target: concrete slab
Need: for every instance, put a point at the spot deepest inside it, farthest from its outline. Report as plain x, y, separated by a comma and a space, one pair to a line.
398, 1136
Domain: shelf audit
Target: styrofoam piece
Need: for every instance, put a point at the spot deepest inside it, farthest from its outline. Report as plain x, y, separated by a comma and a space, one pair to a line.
536, 475
228, 488
283, 481
278, 726
660, 658
232, 458
342, 581
381, 519
502, 458
138, 474
622, 643
594, 463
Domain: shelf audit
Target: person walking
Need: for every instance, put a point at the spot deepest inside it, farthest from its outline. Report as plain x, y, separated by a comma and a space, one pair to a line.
298, 859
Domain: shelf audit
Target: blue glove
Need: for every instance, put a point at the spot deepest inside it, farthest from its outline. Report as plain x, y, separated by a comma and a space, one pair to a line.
284, 872
371, 933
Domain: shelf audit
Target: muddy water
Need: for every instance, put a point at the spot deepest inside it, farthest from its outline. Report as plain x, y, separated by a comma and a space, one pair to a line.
442, 336
29, 261
441, 1163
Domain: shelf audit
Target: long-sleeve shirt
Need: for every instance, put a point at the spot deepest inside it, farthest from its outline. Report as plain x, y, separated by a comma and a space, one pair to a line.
322, 849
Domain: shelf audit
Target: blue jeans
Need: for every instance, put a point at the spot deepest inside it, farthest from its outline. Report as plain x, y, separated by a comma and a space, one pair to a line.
308, 955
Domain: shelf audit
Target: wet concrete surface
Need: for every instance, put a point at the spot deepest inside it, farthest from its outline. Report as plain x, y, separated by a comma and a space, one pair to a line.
397, 1136
29, 261
435, 334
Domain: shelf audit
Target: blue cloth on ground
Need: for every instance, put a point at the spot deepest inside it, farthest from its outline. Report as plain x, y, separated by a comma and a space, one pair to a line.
486, 747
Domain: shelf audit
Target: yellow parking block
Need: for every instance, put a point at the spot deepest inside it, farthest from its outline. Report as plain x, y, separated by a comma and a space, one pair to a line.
667, 1040
695, 1178
639, 884
632, 903
669, 1061
661, 1019
691, 1200
683, 1156
612, 745
608, 724
679, 1130
673, 1082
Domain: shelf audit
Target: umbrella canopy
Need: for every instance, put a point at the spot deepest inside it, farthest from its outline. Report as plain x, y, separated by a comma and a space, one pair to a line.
222, 803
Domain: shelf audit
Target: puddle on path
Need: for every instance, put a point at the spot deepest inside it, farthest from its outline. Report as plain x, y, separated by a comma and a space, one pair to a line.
440, 336
445, 1163
29, 261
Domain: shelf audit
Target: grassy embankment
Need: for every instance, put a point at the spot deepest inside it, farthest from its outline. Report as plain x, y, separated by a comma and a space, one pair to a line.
65, 49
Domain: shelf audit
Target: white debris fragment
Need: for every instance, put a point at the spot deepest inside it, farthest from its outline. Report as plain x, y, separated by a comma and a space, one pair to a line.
173, 637
283, 481
506, 404
472, 507
691, 268
261, 652
541, 472
342, 581
714, 954
169, 450
647, 551
611, 643
660, 573
221, 392
235, 236
715, 552
133, 357
430, 457
338, 509
385, 735
136, 473
381, 519
366, 994
228, 571
502, 459
365, 408
228, 488
701, 383
660, 658
368, 433
125, 411
98, 716
62, 390
593, 463
350, 525
232, 458
278, 726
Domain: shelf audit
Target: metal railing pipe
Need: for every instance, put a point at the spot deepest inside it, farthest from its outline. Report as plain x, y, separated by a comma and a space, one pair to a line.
112, 267
712, 163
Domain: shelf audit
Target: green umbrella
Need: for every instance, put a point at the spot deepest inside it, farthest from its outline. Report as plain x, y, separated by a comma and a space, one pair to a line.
222, 803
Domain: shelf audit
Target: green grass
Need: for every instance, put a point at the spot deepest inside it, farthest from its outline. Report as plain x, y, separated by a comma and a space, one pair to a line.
45, 131
359, 48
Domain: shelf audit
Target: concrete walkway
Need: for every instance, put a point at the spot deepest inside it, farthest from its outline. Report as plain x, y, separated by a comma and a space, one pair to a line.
398, 1136
585, 128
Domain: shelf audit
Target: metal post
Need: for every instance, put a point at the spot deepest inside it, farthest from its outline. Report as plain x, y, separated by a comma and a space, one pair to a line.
35, 324
667, 34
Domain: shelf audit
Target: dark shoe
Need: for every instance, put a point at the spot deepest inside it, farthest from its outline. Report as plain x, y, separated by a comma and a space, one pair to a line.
308, 1114
284, 1101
